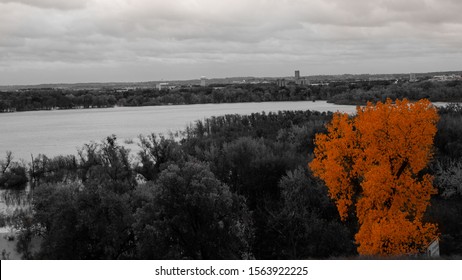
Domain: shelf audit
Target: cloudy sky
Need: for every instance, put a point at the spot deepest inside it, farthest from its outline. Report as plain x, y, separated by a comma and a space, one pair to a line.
51, 41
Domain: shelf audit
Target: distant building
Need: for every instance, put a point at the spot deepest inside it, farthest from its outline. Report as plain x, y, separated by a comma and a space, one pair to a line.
161, 86
412, 78
296, 80
125, 89
281, 82
297, 74
300, 81
203, 81
444, 78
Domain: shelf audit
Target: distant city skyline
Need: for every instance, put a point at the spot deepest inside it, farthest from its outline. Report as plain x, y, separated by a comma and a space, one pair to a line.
73, 41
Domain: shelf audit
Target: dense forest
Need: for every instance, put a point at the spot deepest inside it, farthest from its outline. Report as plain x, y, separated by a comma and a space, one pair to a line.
232, 187
340, 92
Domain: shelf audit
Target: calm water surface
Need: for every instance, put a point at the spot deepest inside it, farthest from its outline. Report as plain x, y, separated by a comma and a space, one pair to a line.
64, 131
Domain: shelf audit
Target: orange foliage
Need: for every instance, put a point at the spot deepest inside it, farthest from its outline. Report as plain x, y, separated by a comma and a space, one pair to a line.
372, 165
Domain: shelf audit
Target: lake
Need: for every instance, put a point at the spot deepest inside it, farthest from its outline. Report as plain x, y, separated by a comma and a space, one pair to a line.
64, 131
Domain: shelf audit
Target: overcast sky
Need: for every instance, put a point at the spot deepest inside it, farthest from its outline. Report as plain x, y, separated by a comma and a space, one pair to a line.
53, 41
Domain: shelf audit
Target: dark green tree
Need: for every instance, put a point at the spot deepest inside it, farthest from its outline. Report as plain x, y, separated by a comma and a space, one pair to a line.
307, 224
13, 174
189, 214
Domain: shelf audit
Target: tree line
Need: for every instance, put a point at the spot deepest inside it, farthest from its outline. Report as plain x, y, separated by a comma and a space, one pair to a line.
341, 92
233, 187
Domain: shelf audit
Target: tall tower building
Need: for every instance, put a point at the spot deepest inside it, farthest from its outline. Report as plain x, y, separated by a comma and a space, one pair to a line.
297, 74
203, 81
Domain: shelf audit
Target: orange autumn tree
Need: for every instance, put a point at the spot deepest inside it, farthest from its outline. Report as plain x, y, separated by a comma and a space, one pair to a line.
373, 165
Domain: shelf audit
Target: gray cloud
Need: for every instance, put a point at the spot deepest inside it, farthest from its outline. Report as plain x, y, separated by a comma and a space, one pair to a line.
50, 4
169, 39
